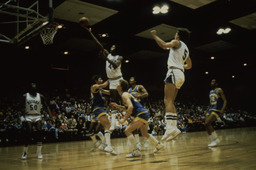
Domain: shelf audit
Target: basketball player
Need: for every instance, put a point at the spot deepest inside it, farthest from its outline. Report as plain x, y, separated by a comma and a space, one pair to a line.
33, 103
178, 60
135, 109
217, 106
98, 106
140, 93
114, 74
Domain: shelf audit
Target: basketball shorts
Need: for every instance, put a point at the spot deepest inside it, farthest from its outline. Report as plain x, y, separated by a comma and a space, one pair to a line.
214, 112
175, 76
114, 82
33, 118
98, 112
143, 117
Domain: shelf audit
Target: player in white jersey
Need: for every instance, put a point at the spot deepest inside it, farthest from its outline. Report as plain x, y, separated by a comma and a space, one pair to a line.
178, 60
33, 105
114, 74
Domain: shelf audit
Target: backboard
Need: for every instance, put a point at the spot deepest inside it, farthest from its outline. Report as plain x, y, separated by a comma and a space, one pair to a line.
22, 20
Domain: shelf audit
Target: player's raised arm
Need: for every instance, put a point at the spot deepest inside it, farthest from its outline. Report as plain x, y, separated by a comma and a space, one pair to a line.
164, 45
99, 86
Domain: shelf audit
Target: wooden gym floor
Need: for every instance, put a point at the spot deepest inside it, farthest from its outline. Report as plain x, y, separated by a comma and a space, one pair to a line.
237, 150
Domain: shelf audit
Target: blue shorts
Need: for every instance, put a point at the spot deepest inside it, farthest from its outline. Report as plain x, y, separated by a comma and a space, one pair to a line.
99, 111
214, 112
143, 117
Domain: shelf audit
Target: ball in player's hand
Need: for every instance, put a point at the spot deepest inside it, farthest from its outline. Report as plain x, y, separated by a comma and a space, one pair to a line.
84, 22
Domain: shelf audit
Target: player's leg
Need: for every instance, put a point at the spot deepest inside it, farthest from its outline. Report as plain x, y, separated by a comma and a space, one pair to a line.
114, 97
170, 92
106, 124
210, 130
174, 80
39, 138
151, 138
98, 131
128, 132
137, 138
27, 125
92, 135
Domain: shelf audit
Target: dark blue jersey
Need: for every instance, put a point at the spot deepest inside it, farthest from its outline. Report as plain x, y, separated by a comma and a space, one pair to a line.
97, 101
137, 107
216, 102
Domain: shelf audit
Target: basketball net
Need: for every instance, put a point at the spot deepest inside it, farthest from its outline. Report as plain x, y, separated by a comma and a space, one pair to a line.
48, 34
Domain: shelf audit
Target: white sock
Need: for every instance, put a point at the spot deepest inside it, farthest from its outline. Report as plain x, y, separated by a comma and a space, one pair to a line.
101, 136
171, 120
131, 139
153, 139
214, 135
113, 119
107, 137
39, 147
94, 140
137, 138
25, 149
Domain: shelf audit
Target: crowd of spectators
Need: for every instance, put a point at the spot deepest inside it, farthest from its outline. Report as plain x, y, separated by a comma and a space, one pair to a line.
71, 118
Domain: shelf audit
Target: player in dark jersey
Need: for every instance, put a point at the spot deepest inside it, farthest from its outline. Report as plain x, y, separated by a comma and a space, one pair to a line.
217, 106
135, 109
98, 107
140, 93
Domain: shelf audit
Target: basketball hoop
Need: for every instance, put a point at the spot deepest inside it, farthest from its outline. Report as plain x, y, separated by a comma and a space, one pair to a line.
48, 34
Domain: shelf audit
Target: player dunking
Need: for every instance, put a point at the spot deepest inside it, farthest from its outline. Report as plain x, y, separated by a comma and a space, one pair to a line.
217, 106
114, 74
33, 102
98, 106
178, 60
135, 109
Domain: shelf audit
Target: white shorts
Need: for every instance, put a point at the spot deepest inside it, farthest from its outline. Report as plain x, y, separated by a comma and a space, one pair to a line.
114, 82
175, 76
33, 118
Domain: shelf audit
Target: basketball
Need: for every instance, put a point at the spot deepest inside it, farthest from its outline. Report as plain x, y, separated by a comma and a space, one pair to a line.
84, 22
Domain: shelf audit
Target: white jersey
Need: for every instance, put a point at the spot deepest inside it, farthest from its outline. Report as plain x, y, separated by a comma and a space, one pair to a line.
33, 104
178, 56
110, 70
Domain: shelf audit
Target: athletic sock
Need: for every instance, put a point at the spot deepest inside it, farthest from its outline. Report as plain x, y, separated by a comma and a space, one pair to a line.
131, 139
153, 139
39, 147
137, 138
107, 137
92, 136
101, 136
171, 120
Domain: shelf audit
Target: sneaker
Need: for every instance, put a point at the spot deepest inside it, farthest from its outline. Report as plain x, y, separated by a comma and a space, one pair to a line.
109, 149
39, 156
175, 134
24, 156
135, 153
102, 146
158, 147
214, 142
167, 134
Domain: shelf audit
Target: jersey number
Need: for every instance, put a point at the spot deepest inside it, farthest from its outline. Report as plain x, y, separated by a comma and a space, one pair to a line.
185, 54
33, 107
110, 66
